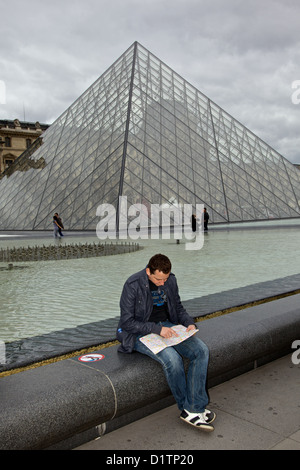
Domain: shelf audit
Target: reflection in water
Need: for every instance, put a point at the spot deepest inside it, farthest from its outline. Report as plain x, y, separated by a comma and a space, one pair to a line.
52, 295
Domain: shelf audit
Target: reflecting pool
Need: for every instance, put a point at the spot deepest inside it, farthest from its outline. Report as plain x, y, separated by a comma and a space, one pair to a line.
45, 296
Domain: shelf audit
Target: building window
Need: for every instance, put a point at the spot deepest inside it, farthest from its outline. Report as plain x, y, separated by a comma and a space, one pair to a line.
7, 162
28, 143
7, 142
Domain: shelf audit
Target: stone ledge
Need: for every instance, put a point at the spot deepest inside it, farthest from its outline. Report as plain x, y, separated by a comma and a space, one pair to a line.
44, 406
35, 349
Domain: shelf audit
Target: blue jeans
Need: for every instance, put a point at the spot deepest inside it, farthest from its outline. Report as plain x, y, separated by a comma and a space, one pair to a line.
56, 231
189, 391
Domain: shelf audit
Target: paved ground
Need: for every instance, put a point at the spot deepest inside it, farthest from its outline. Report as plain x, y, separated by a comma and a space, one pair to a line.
259, 410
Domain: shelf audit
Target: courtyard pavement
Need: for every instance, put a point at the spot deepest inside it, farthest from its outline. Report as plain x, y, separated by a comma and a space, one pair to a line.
259, 410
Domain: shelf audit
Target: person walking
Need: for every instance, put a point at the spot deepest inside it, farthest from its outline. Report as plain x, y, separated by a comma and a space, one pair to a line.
56, 226
61, 226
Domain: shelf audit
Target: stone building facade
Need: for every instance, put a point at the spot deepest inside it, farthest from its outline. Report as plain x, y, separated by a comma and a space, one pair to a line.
15, 137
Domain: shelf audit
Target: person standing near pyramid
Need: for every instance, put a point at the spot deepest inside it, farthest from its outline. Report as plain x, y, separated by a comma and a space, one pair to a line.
194, 223
56, 226
61, 225
206, 218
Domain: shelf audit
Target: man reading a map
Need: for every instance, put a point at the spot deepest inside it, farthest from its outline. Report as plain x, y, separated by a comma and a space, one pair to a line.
150, 303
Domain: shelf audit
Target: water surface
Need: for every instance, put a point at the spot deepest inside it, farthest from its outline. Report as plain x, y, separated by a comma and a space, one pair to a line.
41, 297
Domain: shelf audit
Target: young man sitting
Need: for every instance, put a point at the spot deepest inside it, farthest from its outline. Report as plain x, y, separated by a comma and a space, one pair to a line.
150, 303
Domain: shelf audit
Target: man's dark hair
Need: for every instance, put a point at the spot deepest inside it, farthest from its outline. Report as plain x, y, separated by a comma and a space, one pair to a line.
161, 263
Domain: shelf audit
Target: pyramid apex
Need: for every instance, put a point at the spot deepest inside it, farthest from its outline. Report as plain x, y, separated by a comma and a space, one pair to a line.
143, 132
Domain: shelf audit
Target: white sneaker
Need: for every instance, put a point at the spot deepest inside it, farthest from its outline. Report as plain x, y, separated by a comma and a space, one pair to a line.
199, 420
210, 416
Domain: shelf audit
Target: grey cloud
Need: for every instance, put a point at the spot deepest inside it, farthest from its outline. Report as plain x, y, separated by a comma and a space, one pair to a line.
243, 55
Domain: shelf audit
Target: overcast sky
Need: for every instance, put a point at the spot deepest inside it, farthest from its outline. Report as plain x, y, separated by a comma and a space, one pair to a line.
243, 54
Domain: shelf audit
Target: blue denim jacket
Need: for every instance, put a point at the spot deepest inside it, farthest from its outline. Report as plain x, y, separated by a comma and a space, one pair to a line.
136, 307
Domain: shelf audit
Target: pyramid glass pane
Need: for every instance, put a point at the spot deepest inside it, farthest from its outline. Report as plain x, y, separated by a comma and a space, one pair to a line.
144, 132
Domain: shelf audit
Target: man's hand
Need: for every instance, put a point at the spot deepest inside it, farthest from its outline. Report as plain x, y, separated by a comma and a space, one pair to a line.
167, 332
191, 327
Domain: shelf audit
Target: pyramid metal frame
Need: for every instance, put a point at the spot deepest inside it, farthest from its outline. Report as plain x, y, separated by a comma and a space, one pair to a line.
144, 132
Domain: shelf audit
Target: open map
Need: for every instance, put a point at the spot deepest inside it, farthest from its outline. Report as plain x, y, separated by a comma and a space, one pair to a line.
157, 343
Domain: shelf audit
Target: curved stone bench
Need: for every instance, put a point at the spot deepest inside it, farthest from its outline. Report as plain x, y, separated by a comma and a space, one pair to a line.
45, 406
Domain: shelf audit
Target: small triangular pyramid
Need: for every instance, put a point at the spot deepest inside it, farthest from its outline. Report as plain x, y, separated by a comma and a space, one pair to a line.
143, 132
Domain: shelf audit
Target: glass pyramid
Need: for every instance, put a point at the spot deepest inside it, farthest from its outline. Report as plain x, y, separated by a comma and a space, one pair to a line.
144, 132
